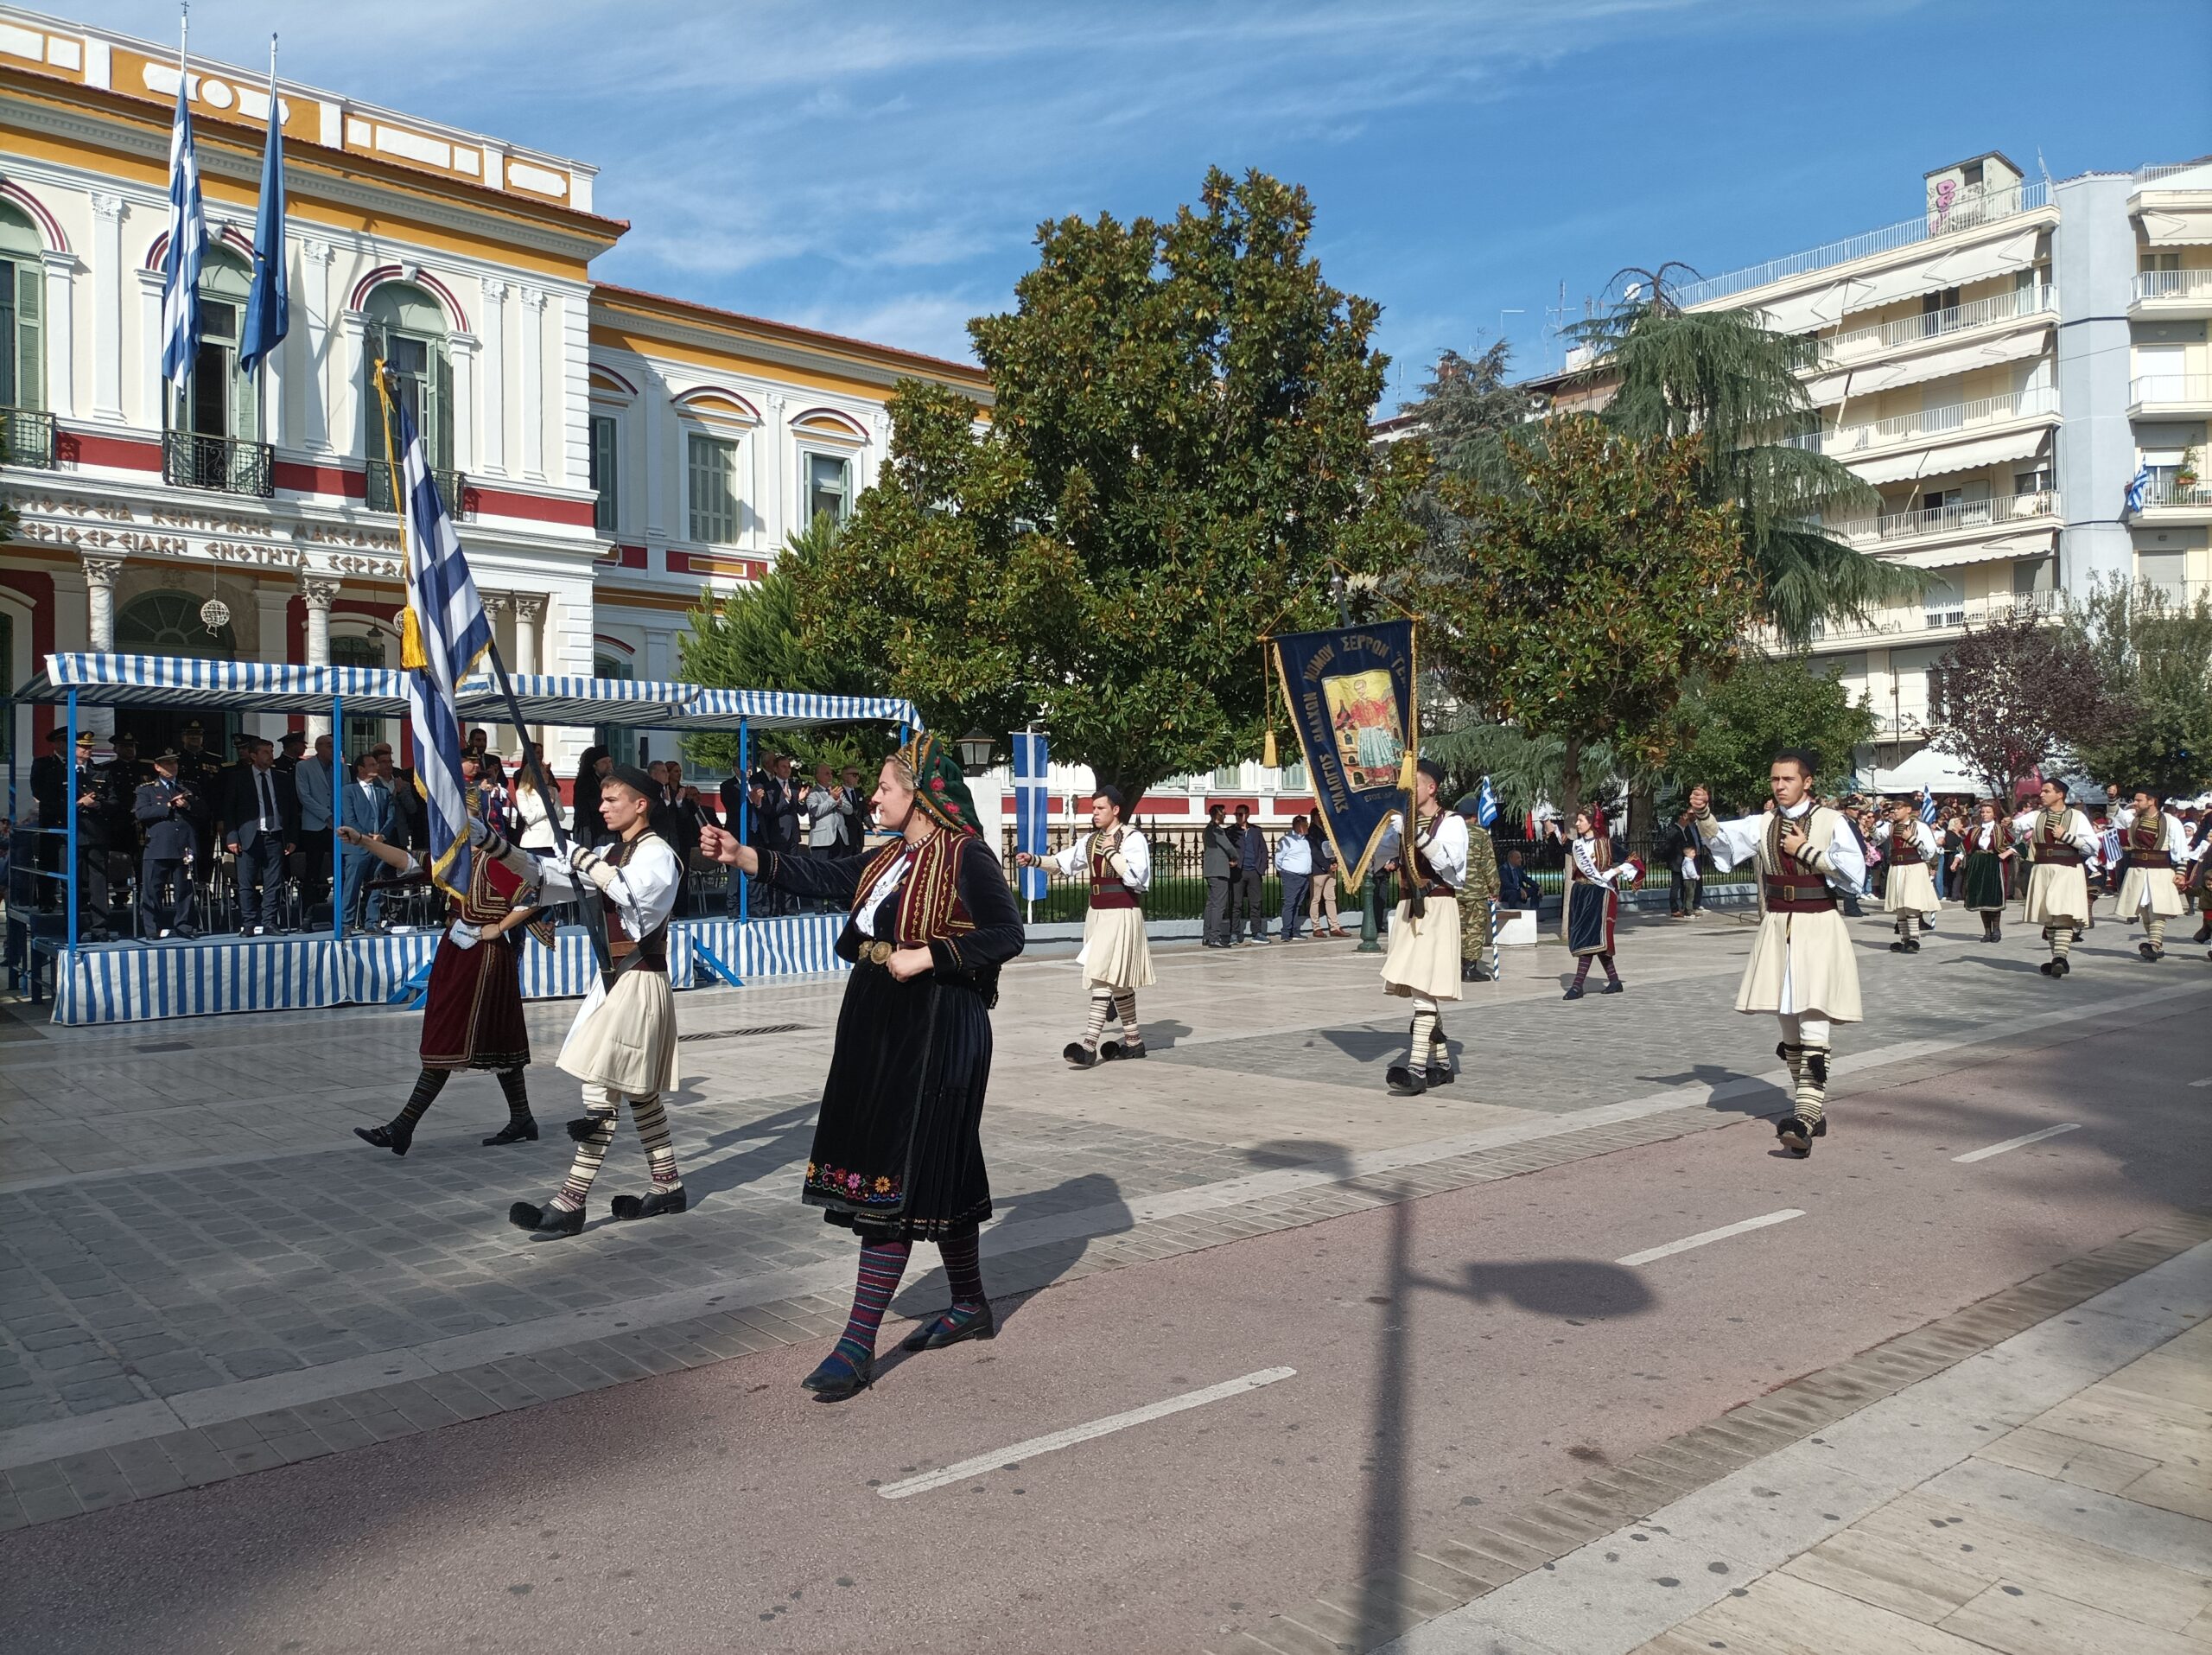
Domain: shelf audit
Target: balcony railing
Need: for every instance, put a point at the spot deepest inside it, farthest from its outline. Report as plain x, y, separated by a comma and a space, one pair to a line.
1960, 517
1935, 616
2151, 285
1935, 324
2164, 491
191, 461
383, 498
26, 437
2172, 390
1973, 209
1927, 424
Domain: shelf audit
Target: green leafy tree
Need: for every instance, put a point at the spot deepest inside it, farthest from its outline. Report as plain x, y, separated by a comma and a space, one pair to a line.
1731, 726
1736, 387
1177, 449
1588, 594
2156, 657
749, 640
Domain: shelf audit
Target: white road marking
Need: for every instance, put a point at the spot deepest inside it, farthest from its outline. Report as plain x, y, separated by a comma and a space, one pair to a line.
1705, 1236
2014, 1143
2195, 1085
1075, 1434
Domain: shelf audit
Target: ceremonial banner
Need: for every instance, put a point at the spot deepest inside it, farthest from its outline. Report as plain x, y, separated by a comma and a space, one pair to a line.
1350, 695
1030, 802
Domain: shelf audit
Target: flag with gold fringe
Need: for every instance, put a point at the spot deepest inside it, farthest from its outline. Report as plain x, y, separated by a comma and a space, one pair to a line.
1350, 692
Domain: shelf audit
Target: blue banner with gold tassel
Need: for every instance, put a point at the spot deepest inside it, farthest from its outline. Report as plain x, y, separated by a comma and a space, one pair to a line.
1351, 698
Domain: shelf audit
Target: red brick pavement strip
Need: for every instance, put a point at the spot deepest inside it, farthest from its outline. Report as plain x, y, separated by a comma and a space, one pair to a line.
1444, 1571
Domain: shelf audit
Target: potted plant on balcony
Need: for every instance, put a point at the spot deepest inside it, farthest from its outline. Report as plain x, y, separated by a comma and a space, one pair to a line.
2186, 477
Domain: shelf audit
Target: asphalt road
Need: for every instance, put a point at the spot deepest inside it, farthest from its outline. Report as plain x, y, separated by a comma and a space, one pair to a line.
1480, 1345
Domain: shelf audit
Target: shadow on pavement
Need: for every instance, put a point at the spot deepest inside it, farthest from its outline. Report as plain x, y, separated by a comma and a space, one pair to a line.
1096, 1194
1162, 1036
793, 1132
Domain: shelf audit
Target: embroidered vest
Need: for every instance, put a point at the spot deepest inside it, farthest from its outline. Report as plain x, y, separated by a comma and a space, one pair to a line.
2146, 844
1107, 889
1787, 885
1433, 883
2048, 842
650, 949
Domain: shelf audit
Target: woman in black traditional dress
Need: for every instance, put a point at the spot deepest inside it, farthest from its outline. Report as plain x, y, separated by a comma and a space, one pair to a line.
1985, 848
897, 1151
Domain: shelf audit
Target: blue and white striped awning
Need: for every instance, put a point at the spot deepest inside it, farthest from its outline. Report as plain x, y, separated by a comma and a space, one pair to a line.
381, 692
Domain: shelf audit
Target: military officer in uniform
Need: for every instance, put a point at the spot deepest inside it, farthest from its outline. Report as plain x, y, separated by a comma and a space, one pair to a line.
163, 810
1478, 898
94, 821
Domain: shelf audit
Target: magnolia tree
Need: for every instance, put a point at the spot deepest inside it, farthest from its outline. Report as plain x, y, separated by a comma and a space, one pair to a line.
2011, 695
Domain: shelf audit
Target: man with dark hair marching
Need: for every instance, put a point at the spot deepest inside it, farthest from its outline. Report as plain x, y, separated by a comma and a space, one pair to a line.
1909, 891
1116, 961
1423, 963
2059, 843
1801, 967
622, 1044
2157, 848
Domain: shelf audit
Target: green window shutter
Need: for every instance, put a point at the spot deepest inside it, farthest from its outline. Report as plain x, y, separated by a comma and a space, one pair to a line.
606, 515
10, 353
437, 441
22, 377
713, 491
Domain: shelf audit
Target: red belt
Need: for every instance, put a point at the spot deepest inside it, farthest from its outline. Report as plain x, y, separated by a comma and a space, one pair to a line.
1102, 898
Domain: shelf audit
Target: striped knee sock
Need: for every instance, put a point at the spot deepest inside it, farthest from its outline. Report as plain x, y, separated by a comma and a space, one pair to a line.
2154, 930
516, 1090
1440, 1048
2060, 938
1125, 1003
427, 1086
652, 1133
1606, 960
590, 1151
882, 1263
963, 1268
1581, 970
1812, 1085
1426, 1024
1102, 1006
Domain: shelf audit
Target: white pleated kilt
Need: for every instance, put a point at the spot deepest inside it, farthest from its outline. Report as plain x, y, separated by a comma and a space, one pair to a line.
2058, 894
626, 1041
2152, 889
1115, 952
1811, 952
1424, 957
1910, 888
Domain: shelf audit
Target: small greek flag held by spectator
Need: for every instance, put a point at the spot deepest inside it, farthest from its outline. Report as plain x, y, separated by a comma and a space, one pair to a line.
1485, 804
1927, 807
2138, 486
1031, 801
442, 635
188, 244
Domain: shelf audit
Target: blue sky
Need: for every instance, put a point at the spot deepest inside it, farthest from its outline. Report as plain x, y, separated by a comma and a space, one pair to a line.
880, 168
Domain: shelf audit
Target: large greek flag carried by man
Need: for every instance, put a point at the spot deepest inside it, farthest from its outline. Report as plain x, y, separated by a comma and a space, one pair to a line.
443, 635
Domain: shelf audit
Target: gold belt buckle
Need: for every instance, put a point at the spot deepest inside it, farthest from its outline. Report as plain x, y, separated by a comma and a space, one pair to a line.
876, 953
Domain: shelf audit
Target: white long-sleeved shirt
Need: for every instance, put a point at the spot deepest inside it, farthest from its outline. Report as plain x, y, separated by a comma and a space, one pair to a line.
1445, 851
2072, 827
1920, 836
2175, 838
1738, 841
1984, 837
1135, 854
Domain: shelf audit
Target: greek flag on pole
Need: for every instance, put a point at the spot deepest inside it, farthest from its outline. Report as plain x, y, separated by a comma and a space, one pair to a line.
187, 244
269, 301
444, 636
2138, 487
1031, 799
1927, 807
1485, 805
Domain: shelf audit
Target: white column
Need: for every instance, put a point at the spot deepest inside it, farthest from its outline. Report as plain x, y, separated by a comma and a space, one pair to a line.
575, 422
272, 605
348, 384
651, 410
107, 312
492, 454
778, 508
312, 291
60, 334
148, 374
463, 346
320, 592
530, 351
99, 626
530, 610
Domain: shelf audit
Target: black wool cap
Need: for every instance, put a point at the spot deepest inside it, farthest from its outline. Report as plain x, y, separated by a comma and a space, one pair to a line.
634, 779
1432, 770
1112, 795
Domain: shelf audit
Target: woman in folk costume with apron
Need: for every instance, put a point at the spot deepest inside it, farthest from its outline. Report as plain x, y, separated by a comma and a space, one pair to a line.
1423, 963
472, 1011
2157, 848
898, 1154
1801, 967
1594, 903
622, 1045
1985, 848
2061, 843
1116, 960
1911, 893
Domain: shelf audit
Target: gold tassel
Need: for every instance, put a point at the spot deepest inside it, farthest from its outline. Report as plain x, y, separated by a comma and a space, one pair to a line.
412, 656
1268, 751
1409, 772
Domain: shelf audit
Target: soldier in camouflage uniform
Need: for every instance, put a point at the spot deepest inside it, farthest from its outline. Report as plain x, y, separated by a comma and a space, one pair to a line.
1477, 902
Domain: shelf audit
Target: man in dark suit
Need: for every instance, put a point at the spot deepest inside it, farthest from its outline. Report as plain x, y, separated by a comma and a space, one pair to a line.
853, 823
1220, 867
1682, 849
366, 803
171, 850
50, 788
775, 823
262, 817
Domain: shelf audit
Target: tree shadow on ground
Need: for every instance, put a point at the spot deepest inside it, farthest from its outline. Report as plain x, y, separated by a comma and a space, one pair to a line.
791, 1132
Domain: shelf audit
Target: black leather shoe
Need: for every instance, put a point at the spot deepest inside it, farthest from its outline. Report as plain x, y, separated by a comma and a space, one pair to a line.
522, 1131
546, 1220
2046, 968
1116, 1050
1796, 1135
652, 1205
1615, 986
1439, 1076
953, 1327
1078, 1055
2154, 955
1820, 1127
1403, 1079
583, 1126
1572, 993
839, 1377
2059, 967
395, 1137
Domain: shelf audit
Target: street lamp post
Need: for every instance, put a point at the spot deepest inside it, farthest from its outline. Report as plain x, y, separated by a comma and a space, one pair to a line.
974, 752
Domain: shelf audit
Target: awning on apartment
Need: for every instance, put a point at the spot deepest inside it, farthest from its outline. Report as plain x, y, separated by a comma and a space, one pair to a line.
1968, 455
1937, 268
1930, 364
2010, 548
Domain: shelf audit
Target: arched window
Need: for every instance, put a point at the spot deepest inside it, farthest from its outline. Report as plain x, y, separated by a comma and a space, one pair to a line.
407, 332
215, 423
168, 623
26, 435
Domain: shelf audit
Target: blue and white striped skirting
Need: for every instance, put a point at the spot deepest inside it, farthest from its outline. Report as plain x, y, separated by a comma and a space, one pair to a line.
117, 982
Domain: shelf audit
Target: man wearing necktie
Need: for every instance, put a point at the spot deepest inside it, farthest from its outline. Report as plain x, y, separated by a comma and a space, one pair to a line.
263, 811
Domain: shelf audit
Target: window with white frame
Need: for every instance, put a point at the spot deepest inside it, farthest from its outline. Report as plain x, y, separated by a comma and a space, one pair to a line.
712, 472
23, 288
605, 511
829, 486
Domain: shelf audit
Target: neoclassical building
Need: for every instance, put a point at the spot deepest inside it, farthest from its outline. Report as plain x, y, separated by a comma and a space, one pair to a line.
611, 453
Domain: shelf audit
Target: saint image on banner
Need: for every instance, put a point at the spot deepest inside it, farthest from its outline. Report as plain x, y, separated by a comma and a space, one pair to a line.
1364, 714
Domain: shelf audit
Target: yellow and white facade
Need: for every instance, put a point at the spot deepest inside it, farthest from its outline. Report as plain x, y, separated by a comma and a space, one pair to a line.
610, 453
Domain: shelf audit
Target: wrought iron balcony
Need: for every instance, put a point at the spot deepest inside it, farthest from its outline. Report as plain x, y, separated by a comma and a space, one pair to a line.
26, 437
191, 461
383, 496
1953, 319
